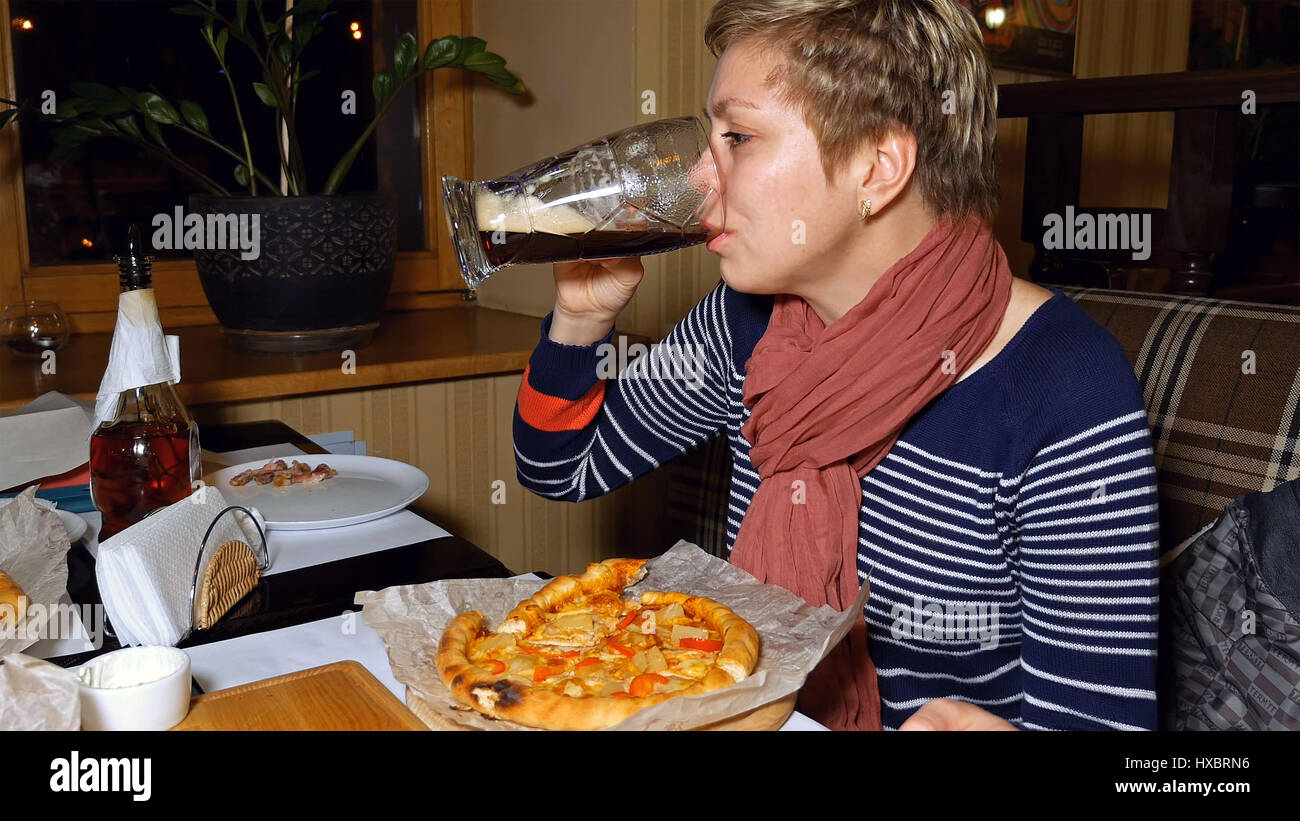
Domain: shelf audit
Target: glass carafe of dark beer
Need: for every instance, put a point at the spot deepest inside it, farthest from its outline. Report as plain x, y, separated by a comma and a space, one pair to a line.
635, 192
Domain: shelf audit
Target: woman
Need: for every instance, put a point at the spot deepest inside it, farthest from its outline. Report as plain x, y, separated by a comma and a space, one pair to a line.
900, 407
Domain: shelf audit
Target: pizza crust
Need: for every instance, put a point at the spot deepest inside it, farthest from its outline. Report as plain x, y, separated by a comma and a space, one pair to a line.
513, 698
739, 655
610, 575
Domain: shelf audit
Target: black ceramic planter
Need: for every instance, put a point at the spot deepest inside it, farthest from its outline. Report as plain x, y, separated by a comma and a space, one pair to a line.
323, 269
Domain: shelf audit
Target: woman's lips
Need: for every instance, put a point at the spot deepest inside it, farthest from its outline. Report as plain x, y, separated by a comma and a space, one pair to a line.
718, 240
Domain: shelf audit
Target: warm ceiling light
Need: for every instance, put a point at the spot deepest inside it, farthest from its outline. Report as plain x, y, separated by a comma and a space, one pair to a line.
995, 16
355, 26
86, 242
22, 23
356, 35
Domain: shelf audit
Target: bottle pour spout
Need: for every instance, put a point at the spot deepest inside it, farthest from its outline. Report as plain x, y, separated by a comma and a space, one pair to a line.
133, 267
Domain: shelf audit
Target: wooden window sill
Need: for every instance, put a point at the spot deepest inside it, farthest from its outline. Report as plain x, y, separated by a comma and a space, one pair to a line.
409, 346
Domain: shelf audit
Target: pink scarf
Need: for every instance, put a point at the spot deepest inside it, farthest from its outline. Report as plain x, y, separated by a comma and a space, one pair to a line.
827, 405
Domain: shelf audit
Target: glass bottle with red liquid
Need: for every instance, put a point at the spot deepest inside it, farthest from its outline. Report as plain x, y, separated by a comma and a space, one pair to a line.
147, 456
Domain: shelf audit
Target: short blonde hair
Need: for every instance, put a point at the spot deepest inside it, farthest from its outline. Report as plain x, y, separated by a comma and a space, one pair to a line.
859, 69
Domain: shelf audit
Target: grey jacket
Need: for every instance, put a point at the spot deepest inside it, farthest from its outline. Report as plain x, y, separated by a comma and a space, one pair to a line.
1230, 620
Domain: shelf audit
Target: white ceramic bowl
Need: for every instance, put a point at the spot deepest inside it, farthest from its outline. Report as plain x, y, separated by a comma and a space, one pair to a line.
135, 688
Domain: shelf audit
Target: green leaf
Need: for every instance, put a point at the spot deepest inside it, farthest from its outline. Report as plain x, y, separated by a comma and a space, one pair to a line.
155, 132
192, 11
95, 91
72, 107
405, 53
303, 32
270, 29
100, 98
471, 45
241, 14
441, 52
6, 116
484, 62
195, 116
382, 86
157, 109
264, 94
129, 125
117, 105
306, 75
284, 50
74, 133
222, 39
505, 80
241, 174
305, 9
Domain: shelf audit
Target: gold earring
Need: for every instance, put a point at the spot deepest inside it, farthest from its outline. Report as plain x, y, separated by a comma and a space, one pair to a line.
864, 208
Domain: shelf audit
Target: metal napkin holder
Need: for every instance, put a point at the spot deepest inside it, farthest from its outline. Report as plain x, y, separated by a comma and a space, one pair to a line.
261, 554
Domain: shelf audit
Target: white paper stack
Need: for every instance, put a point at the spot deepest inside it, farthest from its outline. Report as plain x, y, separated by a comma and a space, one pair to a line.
146, 572
45, 437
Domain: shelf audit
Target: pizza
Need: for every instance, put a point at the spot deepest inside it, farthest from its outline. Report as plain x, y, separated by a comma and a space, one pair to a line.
577, 656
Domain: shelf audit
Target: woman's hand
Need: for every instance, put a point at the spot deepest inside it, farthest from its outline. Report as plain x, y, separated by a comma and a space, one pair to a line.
948, 714
589, 296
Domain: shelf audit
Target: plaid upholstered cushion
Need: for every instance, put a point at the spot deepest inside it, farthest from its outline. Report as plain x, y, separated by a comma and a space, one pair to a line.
1221, 381
698, 490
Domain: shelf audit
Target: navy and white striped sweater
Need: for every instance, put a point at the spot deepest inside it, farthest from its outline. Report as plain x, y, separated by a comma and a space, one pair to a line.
1011, 533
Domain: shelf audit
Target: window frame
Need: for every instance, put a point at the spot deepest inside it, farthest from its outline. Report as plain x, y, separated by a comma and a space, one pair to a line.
88, 293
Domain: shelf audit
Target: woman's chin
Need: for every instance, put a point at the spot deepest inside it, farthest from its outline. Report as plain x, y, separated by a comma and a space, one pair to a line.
750, 282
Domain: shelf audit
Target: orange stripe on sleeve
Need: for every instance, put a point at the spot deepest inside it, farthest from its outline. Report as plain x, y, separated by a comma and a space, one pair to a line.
551, 413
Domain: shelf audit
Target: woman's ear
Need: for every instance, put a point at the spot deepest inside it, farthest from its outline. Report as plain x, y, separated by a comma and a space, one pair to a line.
884, 168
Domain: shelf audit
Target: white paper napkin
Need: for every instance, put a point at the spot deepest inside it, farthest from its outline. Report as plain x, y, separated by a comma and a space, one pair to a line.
146, 572
33, 552
45, 437
139, 355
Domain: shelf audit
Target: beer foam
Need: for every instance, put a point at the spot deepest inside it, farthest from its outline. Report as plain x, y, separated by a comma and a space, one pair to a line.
510, 213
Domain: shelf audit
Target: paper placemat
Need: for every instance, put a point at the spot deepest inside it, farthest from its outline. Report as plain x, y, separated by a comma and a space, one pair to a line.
246, 659
295, 549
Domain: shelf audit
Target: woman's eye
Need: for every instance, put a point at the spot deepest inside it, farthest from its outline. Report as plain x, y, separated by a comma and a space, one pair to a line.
739, 139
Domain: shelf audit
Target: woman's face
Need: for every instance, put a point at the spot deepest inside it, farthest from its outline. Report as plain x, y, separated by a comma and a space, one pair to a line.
779, 224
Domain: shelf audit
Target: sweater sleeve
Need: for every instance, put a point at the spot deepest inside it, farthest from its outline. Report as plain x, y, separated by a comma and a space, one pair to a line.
584, 425
1084, 541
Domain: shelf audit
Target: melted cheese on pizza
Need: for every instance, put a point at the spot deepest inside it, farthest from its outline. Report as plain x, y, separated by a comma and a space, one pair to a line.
604, 646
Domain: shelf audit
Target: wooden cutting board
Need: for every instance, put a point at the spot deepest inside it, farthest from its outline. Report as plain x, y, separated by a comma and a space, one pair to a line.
339, 696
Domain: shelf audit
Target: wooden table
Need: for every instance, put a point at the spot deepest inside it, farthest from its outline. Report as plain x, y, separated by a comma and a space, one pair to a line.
310, 593
342, 696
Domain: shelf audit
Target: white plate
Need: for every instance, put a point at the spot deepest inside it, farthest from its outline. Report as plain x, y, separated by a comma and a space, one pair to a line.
365, 488
75, 525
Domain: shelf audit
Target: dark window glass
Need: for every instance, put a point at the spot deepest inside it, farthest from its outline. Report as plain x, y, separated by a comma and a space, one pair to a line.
78, 209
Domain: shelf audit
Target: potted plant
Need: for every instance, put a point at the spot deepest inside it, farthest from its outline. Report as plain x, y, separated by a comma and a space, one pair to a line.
8, 114
323, 261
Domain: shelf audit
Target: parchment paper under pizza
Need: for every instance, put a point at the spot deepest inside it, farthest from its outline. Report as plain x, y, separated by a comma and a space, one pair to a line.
793, 636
